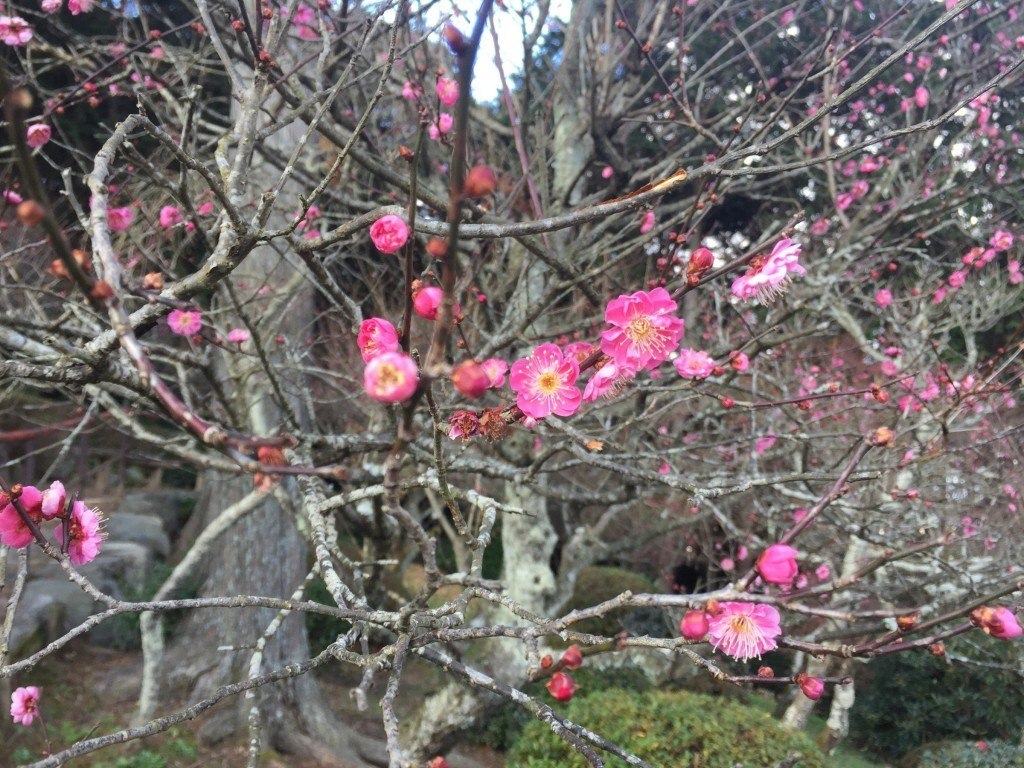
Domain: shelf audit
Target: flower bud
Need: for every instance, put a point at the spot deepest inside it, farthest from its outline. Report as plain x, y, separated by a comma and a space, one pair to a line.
572, 658
456, 40
546, 662
561, 686
765, 672
31, 213
812, 687
694, 625
882, 437
480, 182
470, 378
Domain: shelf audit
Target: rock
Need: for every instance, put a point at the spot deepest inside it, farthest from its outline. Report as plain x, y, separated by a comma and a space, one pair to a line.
172, 507
119, 563
48, 608
147, 530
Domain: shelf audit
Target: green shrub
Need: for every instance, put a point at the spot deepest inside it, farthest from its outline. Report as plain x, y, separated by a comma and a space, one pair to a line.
321, 629
668, 728
502, 729
906, 700
597, 584
971, 754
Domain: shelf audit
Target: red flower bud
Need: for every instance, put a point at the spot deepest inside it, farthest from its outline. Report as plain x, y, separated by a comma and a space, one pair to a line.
572, 658
812, 687
480, 182
456, 40
561, 687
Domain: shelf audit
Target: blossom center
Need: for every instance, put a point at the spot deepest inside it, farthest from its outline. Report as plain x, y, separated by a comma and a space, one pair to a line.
548, 383
756, 264
741, 625
640, 330
388, 376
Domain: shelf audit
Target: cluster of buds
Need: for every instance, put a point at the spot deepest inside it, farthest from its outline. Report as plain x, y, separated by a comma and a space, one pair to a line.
561, 686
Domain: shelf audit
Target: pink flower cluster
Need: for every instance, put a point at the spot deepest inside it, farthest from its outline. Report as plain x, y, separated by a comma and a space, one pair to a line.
768, 275
390, 375
78, 528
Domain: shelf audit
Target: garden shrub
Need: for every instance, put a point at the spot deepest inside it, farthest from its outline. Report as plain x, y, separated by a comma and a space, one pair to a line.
669, 728
599, 583
970, 754
905, 700
502, 729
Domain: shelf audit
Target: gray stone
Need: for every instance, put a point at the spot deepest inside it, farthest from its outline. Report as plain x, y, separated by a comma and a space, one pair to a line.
147, 530
172, 507
48, 608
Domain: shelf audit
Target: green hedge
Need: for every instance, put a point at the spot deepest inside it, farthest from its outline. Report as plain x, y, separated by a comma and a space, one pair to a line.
970, 754
669, 728
907, 700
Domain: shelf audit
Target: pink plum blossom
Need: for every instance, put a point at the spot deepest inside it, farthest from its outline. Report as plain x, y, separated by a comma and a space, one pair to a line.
495, 368
80, 6
745, 630
25, 705
37, 135
389, 233
647, 223
777, 564
957, 279
185, 322
14, 30
51, 6
768, 275
1001, 240
883, 297
694, 364
83, 534
410, 91
238, 336
376, 337
13, 530
645, 330
545, 383
52, 500
739, 362
606, 380
391, 377
169, 216
447, 91
120, 218
427, 302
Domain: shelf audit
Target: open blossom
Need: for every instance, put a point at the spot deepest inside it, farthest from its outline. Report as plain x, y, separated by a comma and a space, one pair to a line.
1001, 240
545, 383
645, 329
169, 216
389, 233
410, 91
185, 323
694, 364
1016, 276
37, 135
607, 380
777, 564
745, 630
13, 530
495, 368
391, 377
25, 705
120, 218
377, 336
51, 6
883, 297
238, 336
14, 30
463, 424
769, 275
83, 533
447, 91
739, 361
